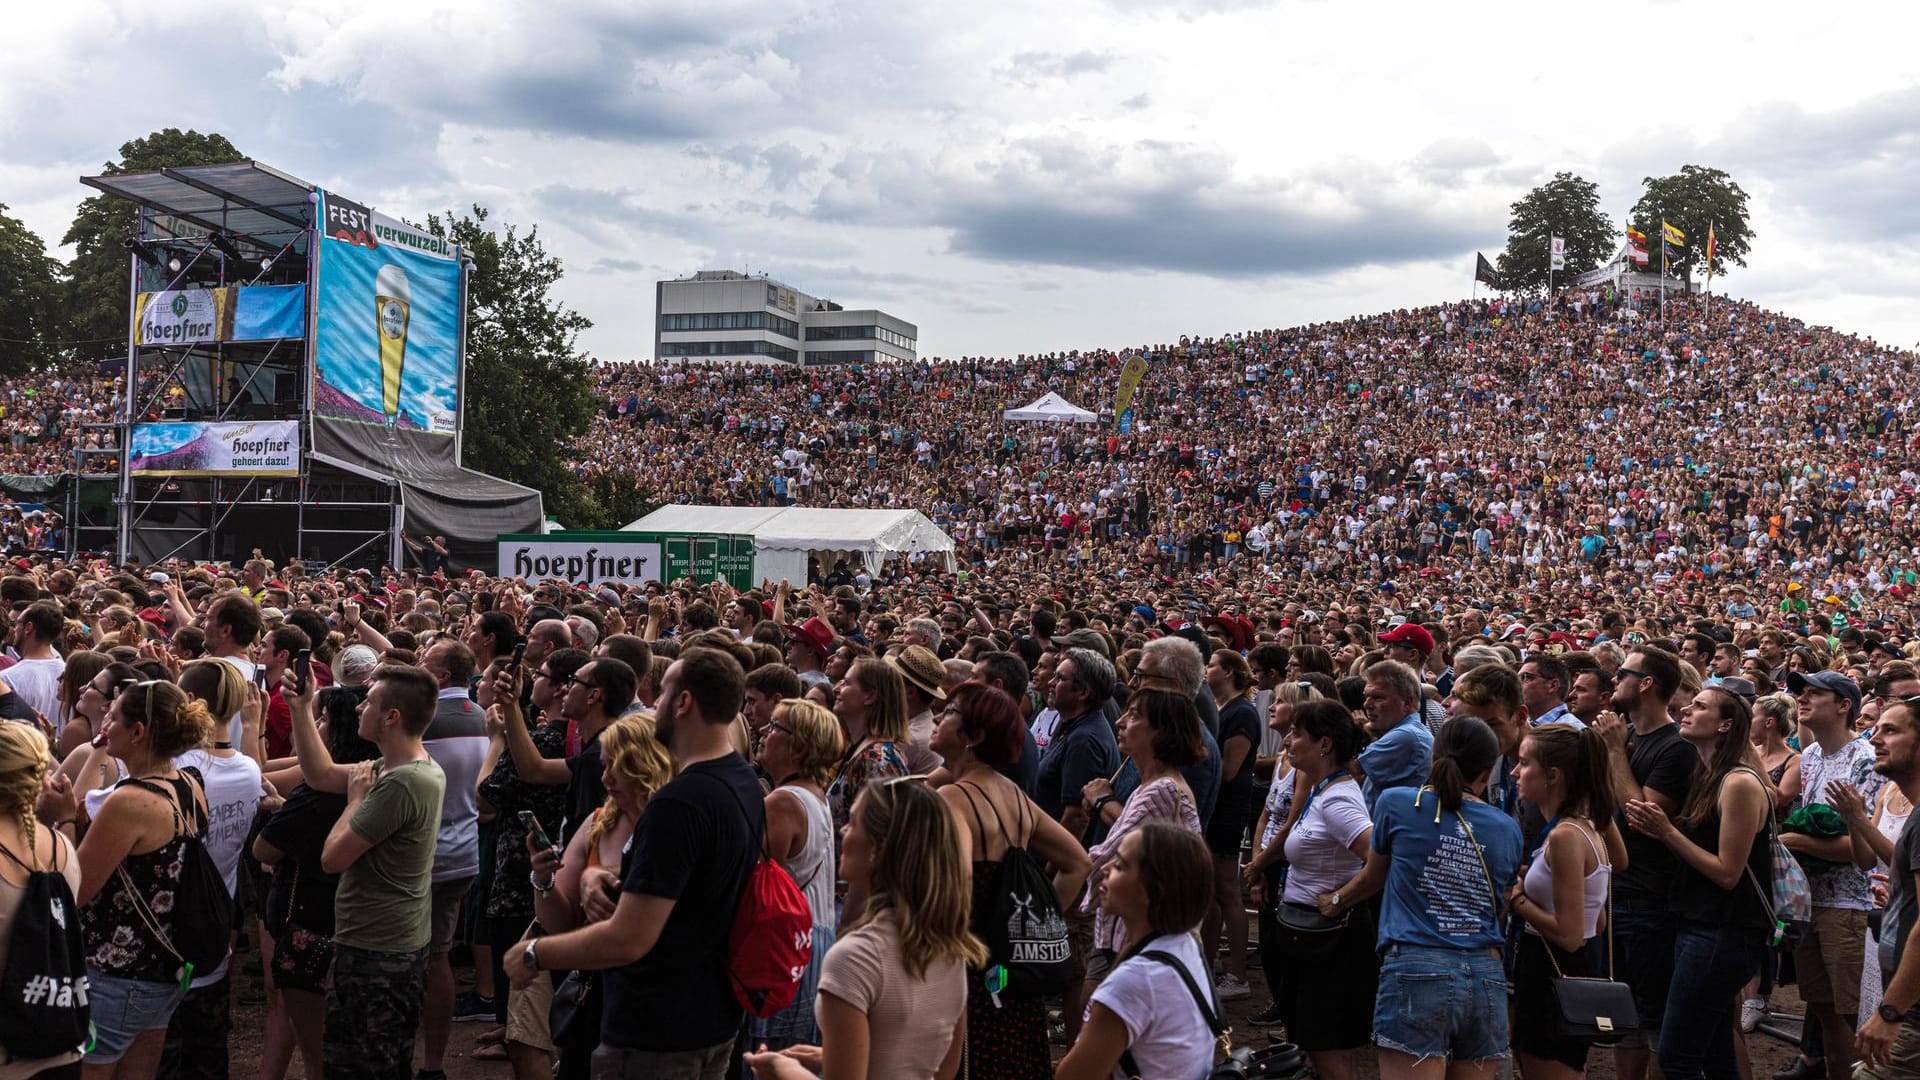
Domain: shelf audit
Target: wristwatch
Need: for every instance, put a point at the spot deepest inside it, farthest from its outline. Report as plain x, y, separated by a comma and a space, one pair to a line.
1890, 1014
1102, 801
527, 955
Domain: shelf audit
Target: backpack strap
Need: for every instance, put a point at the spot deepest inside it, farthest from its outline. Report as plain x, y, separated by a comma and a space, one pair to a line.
1209, 1012
1012, 841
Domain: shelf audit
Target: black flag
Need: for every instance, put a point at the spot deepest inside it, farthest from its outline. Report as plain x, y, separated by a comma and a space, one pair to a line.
1484, 272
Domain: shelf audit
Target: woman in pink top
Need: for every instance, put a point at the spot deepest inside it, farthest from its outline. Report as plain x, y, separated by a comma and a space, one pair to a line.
893, 993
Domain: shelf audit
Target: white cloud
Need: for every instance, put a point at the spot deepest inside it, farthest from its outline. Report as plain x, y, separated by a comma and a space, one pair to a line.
1030, 177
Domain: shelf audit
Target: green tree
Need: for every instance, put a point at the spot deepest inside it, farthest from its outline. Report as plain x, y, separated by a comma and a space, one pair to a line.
30, 282
1692, 199
1565, 206
529, 387
96, 300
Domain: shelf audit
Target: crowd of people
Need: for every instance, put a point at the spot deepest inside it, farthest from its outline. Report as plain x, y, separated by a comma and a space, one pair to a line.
1020, 839
1500, 680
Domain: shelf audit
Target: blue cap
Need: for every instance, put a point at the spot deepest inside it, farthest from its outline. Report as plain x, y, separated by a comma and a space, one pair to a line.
1831, 681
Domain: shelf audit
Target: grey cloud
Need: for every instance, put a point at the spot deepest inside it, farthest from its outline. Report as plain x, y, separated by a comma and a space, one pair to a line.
1031, 67
1153, 206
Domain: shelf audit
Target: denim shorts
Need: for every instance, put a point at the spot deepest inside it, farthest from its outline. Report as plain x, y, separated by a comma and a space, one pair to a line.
122, 1009
1442, 1003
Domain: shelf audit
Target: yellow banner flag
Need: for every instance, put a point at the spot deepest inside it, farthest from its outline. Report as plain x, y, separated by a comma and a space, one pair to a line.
1673, 235
1134, 370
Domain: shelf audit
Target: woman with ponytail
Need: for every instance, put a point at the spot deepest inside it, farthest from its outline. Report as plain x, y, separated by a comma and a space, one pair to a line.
1446, 859
131, 852
1725, 867
893, 992
1564, 771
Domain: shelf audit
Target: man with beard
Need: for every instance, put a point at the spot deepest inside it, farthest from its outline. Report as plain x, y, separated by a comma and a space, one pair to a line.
1650, 761
1889, 1043
669, 1005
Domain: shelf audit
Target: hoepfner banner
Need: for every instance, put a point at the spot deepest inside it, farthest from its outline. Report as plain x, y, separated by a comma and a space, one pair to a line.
579, 563
205, 448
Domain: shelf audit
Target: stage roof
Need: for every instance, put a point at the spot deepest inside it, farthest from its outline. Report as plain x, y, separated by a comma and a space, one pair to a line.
244, 197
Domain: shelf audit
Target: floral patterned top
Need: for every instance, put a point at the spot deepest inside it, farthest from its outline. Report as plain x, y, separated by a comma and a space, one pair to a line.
117, 939
870, 761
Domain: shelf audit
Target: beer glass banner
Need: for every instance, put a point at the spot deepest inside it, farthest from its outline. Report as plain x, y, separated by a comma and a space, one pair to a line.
386, 348
257, 448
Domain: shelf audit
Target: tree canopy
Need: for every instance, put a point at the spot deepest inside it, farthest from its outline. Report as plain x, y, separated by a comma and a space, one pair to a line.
96, 293
30, 282
1565, 206
1692, 199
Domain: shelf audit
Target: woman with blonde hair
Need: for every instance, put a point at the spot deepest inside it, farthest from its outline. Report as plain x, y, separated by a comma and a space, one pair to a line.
28, 847
134, 849
893, 992
635, 764
800, 749
1774, 722
1266, 872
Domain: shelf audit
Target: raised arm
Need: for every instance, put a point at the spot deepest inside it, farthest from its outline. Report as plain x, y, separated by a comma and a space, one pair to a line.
317, 767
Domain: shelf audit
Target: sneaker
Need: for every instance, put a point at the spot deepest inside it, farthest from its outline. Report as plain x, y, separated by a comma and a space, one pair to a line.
1752, 1011
471, 1006
1231, 988
1268, 1017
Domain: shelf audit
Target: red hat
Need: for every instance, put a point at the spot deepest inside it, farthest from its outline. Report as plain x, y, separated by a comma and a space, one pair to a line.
1238, 629
152, 615
1410, 633
814, 632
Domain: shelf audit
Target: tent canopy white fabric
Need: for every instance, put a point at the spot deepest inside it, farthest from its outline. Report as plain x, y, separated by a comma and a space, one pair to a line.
783, 537
1051, 407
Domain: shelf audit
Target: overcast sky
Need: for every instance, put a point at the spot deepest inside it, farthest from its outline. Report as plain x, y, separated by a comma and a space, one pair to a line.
1018, 177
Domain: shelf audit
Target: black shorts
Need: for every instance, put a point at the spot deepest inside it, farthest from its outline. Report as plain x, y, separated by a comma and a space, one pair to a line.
1329, 1000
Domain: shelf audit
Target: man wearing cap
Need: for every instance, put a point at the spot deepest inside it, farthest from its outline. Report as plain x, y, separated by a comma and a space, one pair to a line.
1411, 644
1829, 958
808, 645
924, 675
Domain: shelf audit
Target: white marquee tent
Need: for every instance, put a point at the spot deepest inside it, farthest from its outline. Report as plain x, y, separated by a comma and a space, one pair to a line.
783, 537
1052, 408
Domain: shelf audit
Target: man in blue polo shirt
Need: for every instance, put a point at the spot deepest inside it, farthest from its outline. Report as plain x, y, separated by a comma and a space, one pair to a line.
1402, 748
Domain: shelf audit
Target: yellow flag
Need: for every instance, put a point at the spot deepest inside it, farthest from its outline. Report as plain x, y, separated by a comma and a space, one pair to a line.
1130, 376
1673, 235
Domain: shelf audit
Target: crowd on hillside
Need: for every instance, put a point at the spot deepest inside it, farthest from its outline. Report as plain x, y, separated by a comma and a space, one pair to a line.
1497, 445
45, 416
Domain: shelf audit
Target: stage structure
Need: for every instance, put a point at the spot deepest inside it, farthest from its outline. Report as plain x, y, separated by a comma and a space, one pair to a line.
295, 381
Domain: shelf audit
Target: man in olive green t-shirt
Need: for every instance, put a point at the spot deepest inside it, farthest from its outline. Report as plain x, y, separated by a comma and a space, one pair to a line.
382, 848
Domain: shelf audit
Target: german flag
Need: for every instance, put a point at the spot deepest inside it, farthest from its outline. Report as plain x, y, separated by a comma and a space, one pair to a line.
1671, 234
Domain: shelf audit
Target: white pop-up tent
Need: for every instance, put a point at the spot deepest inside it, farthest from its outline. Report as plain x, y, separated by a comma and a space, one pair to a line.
1051, 408
783, 537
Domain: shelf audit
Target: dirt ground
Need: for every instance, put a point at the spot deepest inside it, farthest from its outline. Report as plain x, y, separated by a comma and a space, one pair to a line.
1766, 1052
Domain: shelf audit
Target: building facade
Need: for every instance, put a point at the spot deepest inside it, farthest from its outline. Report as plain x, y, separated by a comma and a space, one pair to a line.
727, 316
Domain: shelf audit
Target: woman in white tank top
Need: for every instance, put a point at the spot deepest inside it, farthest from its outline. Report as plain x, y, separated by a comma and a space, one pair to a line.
800, 751
1560, 899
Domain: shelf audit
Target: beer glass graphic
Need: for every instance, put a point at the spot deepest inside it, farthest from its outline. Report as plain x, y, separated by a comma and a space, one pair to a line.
392, 302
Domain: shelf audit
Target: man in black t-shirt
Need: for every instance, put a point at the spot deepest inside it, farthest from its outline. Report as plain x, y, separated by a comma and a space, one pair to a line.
1649, 761
1888, 1044
669, 1009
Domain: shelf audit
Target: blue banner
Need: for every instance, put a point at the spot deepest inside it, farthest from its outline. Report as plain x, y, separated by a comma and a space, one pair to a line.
387, 346
268, 312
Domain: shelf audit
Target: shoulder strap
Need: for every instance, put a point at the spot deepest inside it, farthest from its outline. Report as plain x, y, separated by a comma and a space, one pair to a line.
171, 795
1207, 1012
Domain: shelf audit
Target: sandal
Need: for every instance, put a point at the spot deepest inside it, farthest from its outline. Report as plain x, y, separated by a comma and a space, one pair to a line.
491, 1052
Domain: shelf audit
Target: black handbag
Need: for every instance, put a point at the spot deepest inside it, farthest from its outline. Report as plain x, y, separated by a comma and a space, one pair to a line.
1588, 1007
1305, 932
573, 1009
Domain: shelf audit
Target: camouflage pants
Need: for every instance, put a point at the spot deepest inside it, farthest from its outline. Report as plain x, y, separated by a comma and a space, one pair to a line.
373, 1012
